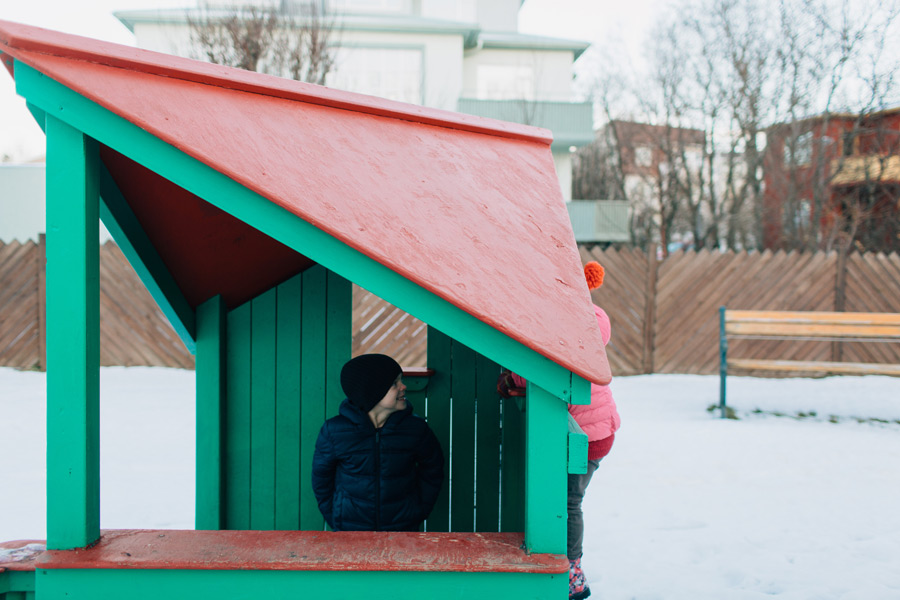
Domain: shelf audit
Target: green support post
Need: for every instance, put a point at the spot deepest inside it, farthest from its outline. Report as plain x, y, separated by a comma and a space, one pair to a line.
723, 361
546, 431
73, 338
210, 382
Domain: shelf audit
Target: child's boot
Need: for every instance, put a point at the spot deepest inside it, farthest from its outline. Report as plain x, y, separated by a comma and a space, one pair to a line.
578, 588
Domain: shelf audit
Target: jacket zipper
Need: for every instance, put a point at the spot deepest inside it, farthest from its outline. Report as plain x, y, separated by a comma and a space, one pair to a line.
377, 478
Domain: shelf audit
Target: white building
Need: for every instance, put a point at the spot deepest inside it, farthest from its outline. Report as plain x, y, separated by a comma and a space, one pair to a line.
461, 55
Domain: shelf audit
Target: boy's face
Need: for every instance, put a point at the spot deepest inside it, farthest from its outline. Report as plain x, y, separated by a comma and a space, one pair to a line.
395, 399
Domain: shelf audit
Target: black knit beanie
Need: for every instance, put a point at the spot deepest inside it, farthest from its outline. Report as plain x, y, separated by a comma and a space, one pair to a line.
367, 378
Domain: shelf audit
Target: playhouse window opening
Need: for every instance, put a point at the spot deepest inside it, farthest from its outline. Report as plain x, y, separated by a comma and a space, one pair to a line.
147, 463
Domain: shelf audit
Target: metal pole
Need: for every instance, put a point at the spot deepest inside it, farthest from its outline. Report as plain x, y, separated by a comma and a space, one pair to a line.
723, 360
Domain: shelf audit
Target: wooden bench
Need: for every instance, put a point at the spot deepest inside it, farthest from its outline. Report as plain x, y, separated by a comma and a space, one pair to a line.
804, 325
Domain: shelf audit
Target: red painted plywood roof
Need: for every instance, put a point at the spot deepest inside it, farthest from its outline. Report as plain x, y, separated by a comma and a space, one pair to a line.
468, 208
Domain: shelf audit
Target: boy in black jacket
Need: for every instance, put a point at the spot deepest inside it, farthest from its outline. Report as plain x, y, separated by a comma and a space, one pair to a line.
377, 466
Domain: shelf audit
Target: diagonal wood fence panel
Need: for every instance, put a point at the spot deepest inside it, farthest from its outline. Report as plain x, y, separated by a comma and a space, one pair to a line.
19, 318
664, 312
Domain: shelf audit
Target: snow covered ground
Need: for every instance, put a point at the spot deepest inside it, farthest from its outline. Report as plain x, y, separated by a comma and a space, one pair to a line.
687, 505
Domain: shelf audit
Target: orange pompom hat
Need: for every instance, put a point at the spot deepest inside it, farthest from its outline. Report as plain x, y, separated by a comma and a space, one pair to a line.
593, 273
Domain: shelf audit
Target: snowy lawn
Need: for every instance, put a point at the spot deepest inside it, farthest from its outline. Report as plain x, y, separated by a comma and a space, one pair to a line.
687, 505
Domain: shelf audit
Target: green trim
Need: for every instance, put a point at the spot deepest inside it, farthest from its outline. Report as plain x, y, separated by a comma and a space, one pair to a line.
210, 381
73, 338
118, 218
519, 41
16, 584
289, 229
176, 584
125, 229
545, 473
577, 448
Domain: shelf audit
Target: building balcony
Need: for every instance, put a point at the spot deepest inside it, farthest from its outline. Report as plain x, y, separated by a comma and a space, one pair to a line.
572, 123
599, 220
856, 170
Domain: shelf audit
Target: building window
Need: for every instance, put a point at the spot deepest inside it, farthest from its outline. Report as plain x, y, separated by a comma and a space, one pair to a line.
800, 152
393, 73
850, 142
505, 82
643, 156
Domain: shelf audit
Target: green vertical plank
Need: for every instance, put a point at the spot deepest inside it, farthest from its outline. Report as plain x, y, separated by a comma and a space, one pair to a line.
546, 430
462, 390
287, 406
73, 347
312, 388
339, 336
487, 473
438, 412
210, 382
237, 420
416, 392
262, 411
512, 476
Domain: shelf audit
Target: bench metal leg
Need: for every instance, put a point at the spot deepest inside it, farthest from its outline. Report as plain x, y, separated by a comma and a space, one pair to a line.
723, 361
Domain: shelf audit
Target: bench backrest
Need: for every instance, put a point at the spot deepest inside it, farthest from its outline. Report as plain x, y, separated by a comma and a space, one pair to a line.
814, 325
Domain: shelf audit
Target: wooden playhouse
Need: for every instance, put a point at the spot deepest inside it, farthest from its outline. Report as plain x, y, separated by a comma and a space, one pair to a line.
248, 205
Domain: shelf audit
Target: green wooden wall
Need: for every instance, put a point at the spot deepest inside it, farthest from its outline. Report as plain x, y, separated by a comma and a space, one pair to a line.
257, 420
484, 490
268, 375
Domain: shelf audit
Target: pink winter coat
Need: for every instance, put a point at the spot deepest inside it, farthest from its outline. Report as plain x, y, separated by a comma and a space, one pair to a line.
599, 419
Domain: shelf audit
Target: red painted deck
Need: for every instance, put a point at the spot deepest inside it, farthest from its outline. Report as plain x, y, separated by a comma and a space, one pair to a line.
467, 208
306, 551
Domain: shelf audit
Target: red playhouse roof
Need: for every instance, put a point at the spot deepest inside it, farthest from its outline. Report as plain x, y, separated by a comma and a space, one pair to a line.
467, 208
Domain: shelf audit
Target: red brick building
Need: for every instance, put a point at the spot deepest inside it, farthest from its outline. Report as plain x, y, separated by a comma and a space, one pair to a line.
834, 177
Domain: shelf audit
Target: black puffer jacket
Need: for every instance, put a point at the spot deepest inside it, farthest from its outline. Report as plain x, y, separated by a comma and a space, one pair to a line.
376, 480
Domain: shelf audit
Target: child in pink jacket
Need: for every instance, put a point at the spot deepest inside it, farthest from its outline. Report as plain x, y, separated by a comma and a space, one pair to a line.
600, 421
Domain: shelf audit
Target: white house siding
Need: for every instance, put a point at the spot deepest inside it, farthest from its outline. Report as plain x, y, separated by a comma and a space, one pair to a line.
22, 203
170, 38
563, 163
441, 60
464, 11
499, 15
541, 74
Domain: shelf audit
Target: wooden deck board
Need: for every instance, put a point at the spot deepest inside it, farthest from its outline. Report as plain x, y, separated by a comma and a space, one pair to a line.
307, 551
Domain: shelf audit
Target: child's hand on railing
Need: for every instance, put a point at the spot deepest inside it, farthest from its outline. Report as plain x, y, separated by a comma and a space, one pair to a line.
506, 385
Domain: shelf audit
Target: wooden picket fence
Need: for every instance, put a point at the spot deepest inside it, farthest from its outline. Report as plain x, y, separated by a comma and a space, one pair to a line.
664, 312
133, 330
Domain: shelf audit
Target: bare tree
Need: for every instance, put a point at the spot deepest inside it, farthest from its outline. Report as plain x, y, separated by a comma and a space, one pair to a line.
291, 40
733, 69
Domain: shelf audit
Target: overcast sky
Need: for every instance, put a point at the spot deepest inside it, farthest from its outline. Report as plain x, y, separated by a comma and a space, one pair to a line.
20, 137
